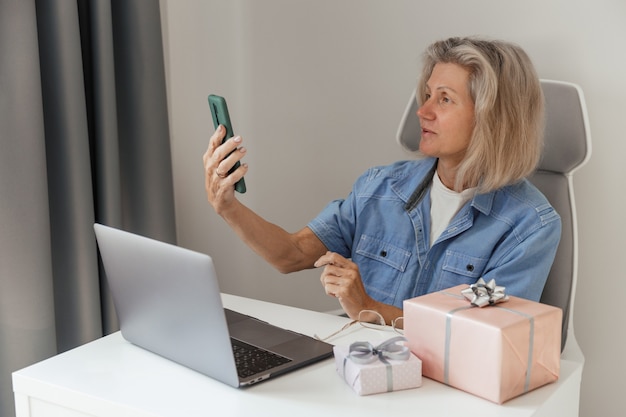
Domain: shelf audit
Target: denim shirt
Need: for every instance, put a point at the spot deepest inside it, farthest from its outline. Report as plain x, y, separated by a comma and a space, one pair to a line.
510, 234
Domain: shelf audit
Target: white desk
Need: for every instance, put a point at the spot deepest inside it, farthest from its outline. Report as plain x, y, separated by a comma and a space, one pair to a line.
111, 377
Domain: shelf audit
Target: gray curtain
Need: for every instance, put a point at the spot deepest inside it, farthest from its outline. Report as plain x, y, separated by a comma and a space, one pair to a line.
85, 138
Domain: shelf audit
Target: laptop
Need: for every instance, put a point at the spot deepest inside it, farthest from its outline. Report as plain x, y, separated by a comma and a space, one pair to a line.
168, 301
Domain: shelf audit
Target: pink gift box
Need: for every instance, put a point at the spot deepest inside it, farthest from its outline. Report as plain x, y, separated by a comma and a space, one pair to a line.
375, 377
496, 352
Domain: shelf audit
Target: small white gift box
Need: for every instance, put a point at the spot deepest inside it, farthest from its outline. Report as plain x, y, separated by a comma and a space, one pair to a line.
369, 369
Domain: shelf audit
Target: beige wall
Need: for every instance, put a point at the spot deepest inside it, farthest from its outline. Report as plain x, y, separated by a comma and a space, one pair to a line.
317, 89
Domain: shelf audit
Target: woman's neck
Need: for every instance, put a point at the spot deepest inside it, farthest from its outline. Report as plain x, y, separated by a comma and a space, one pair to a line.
447, 175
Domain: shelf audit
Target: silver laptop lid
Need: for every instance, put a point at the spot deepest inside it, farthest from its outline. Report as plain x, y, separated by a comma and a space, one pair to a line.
168, 301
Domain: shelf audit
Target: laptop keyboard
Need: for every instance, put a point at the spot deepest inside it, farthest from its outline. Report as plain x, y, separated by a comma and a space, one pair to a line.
251, 359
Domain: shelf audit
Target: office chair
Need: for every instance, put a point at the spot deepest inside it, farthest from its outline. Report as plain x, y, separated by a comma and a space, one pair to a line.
567, 148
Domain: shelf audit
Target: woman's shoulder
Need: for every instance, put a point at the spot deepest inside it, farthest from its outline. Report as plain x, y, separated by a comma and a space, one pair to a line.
400, 169
526, 191
524, 199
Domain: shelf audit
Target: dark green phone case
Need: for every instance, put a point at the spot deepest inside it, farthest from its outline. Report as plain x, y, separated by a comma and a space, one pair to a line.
219, 113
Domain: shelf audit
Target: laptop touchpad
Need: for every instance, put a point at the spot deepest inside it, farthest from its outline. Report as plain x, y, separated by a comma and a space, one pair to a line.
258, 333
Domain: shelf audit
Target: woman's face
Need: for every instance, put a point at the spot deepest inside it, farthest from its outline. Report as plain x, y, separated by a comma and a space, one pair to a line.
447, 114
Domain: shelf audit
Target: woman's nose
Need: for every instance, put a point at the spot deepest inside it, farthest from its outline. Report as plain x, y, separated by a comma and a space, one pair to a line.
424, 111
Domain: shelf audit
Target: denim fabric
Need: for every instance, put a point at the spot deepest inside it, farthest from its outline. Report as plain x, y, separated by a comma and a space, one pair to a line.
510, 234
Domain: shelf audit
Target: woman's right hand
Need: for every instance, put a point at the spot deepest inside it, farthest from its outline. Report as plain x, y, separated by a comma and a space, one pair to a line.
218, 160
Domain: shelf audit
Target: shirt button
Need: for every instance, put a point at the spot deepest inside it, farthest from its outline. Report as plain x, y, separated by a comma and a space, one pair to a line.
383, 253
469, 267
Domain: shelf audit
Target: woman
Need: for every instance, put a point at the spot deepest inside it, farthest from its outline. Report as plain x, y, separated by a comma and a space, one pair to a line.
462, 212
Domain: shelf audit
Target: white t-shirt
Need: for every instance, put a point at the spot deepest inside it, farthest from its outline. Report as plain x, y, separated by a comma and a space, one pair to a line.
444, 204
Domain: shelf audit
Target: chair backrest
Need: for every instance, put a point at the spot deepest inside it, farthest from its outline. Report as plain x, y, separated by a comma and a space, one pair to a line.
567, 148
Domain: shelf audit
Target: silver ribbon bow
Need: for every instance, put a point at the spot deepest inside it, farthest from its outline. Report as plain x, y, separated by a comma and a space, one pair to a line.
483, 294
365, 352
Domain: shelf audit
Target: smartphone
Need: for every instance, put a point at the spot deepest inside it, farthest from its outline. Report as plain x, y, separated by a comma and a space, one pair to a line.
219, 112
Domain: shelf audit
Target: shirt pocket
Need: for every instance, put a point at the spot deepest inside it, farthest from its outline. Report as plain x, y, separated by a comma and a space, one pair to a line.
459, 268
384, 252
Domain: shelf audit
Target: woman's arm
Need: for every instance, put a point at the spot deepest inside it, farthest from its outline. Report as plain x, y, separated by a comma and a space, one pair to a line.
287, 252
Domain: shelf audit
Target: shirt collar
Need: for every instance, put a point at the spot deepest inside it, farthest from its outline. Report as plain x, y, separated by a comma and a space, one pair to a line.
405, 185
484, 202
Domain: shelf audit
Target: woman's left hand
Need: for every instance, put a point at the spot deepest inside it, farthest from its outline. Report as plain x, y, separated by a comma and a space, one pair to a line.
341, 279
